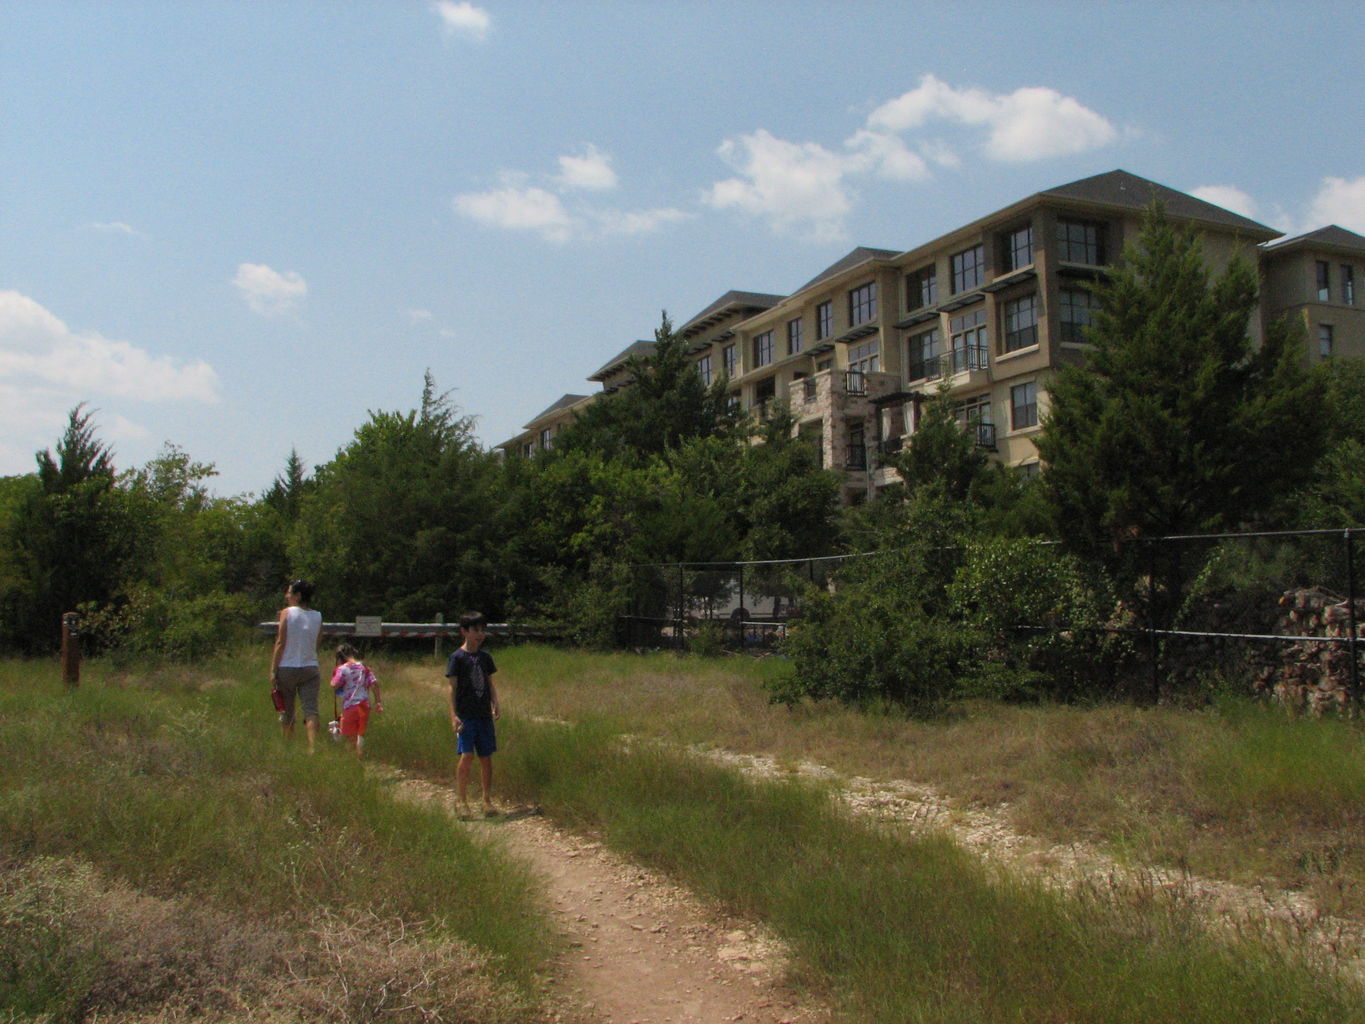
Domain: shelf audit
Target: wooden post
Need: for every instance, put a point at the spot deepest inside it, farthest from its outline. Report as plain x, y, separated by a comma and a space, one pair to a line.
440, 621
71, 649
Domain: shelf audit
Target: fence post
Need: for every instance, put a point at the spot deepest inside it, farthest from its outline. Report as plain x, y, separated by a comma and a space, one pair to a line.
1153, 650
440, 620
680, 621
71, 649
1349, 537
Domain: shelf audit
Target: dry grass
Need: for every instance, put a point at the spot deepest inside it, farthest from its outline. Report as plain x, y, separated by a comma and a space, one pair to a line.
1240, 792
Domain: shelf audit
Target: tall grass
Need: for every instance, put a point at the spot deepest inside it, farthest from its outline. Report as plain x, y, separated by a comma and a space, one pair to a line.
912, 929
1239, 791
178, 788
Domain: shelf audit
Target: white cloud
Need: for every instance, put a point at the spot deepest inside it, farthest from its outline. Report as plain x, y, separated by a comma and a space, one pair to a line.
518, 208
268, 291
806, 188
638, 222
463, 19
591, 171
1339, 201
1031, 123
798, 188
46, 369
418, 316
115, 227
1229, 197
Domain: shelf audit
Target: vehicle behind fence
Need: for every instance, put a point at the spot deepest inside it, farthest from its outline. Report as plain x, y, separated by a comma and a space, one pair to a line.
1278, 613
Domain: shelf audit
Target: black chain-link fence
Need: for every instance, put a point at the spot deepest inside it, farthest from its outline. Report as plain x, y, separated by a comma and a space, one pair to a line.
1279, 612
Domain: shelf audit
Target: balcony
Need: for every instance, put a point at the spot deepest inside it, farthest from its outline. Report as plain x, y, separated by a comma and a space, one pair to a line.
985, 435
855, 457
855, 383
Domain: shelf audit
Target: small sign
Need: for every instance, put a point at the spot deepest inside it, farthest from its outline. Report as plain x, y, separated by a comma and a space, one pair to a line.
369, 625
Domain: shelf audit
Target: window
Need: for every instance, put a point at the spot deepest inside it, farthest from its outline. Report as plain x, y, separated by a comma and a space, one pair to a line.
763, 349
857, 448
924, 355
1030, 470
1021, 322
545, 437
969, 268
727, 360
764, 391
528, 449
921, 288
1325, 340
1348, 284
704, 369
1324, 281
824, 320
1076, 307
864, 358
824, 364
1024, 405
974, 416
967, 336
1080, 241
793, 336
862, 304
1017, 248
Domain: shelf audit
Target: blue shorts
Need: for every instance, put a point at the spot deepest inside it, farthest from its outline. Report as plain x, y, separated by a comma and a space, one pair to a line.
476, 737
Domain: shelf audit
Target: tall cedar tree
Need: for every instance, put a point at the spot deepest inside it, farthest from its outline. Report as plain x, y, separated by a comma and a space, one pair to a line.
1176, 422
666, 403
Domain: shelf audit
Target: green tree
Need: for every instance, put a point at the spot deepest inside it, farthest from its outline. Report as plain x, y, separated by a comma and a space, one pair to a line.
402, 522
665, 402
1176, 422
70, 538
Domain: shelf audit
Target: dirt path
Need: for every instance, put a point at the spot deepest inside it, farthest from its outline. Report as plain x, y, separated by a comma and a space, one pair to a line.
638, 950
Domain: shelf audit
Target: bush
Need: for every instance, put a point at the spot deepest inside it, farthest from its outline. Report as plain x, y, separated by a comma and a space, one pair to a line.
1036, 612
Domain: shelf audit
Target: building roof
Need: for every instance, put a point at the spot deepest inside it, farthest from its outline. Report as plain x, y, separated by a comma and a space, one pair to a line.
1332, 236
1120, 188
564, 402
643, 349
857, 257
746, 303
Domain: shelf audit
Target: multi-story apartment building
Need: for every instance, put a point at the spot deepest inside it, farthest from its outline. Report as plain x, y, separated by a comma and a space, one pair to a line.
986, 312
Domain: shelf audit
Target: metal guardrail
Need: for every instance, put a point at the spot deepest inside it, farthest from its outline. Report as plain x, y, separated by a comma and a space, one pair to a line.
419, 630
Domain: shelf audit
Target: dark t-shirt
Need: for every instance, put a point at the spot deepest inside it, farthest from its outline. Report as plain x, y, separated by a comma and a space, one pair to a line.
469, 674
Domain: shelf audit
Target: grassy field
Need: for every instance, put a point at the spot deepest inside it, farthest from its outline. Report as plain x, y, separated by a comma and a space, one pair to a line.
163, 805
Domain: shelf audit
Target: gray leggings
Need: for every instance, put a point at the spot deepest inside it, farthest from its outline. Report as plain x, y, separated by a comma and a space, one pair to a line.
303, 681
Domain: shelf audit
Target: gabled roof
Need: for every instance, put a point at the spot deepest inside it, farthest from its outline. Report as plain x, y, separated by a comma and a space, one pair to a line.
1332, 237
746, 303
857, 257
644, 349
563, 403
1120, 188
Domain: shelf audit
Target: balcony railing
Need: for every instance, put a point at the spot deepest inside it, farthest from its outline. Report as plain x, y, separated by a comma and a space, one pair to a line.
808, 390
974, 357
856, 457
985, 434
855, 382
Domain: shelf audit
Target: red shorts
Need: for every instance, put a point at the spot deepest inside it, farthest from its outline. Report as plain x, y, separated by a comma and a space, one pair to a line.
355, 718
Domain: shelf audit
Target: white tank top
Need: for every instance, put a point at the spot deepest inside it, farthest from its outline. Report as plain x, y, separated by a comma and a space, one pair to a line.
301, 629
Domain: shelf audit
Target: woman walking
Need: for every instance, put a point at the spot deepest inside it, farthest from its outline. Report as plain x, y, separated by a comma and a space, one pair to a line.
294, 662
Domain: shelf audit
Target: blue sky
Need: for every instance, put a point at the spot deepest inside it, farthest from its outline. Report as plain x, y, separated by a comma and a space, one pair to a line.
239, 227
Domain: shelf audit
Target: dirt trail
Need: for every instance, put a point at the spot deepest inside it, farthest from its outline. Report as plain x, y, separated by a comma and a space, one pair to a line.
638, 950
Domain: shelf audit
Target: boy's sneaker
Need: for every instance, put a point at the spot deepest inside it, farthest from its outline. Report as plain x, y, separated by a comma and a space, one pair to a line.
489, 811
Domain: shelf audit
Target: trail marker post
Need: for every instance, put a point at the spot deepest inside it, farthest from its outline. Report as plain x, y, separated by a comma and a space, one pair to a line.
71, 649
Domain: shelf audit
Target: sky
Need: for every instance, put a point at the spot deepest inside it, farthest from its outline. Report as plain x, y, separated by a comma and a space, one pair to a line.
241, 227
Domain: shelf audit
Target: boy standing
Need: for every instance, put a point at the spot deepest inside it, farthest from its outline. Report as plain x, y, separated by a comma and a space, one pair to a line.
473, 707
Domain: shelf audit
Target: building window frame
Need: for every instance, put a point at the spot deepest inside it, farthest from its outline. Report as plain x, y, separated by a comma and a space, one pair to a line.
728, 360
762, 349
865, 358
824, 320
546, 439
1348, 284
704, 369
1016, 248
925, 352
1324, 280
1326, 341
1081, 241
862, 304
794, 336
921, 288
969, 341
1024, 405
1020, 317
969, 268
